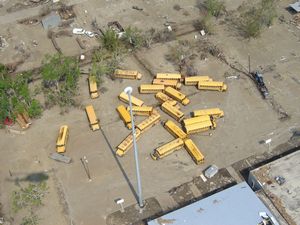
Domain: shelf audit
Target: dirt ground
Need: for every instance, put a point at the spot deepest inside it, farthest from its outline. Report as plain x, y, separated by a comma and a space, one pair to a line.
248, 119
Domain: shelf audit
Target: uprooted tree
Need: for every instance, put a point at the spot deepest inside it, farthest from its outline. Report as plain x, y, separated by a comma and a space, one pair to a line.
60, 80
15, 96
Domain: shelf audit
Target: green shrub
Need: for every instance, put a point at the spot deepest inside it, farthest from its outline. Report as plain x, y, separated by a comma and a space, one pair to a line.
214, 7
35, 109
253, 20
110, 40
133, 37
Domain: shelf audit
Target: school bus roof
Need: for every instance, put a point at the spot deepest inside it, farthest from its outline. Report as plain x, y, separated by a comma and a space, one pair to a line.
126, 72
91, 114
93, 84
62, 135
211, 83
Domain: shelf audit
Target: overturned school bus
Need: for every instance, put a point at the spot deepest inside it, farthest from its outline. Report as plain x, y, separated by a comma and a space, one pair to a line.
93, 87
197, 119
169, 76
200, 127
167, 83
135, 101
127, 143
173, 129
151, 88
94, 122
178, 96
214, 112
23, 120
212, 86
141, 110
194, 152
172, 111
124, 115
167, 149
127, 74
161, 97
62, 139
149, 122
194, 80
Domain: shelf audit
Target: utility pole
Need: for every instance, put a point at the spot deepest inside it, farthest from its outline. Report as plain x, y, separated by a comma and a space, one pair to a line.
128, 91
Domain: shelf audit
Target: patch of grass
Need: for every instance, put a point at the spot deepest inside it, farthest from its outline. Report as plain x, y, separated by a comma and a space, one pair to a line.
214, 7
29, 197
110, 40
32, 219
133, 37
205, 24
255, 18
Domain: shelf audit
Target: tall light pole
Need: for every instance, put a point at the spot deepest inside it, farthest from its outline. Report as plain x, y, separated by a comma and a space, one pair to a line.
128, 91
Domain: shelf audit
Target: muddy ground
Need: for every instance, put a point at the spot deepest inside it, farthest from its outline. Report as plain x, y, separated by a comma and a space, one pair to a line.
175, 179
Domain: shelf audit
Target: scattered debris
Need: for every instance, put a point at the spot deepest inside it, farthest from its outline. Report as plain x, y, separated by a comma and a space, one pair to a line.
51, 21
233, 77
137, 8
34, 43
80, 43
258, 78
67, 12
280, 180
211, 171
30, 21
295, 6
202, 32
3, 43
78, 31
116, 27
60, 157
81, 31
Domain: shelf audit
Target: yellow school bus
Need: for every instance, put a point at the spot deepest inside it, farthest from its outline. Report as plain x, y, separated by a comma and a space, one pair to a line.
91, 115
127, 74
194, 152
212, 86
167, 149
127, 143
197, 119
93, 87
167, 83
176, 131
199, 127
194, 80
141, 110
172, 111
149, 122
169, 76
124, 115
177, 95
161, 97
151, 88
23, 120
62, 139
135, 101
214, 112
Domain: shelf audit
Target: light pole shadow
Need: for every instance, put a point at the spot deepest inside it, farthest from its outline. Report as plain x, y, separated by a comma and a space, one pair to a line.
120, 166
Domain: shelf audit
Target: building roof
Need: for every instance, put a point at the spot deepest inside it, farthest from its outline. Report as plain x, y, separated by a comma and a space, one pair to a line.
296, 6
234, 206
285, 197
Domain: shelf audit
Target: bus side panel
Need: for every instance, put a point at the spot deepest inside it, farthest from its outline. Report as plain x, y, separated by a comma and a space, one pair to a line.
194, 152
175, 130
127, 143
